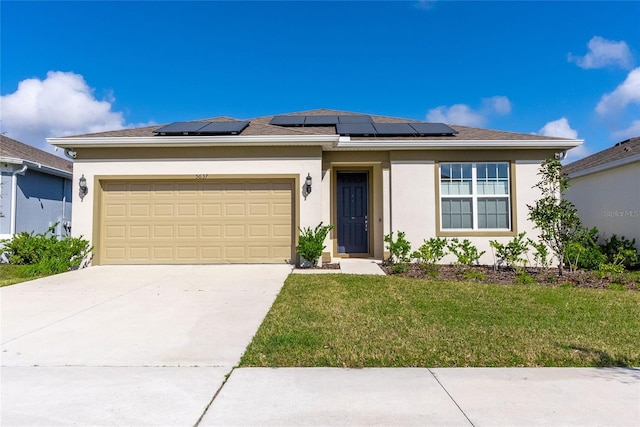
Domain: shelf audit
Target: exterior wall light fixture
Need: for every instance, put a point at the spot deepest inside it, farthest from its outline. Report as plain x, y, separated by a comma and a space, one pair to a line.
83, 189
307, 183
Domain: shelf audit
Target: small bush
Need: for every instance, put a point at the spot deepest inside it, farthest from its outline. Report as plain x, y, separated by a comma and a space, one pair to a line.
620, 250
311, 242
523, 278
541, 254
514, 252
44, 254
399, 268
583, 251
478, 276
428, 255
465, 251
398, 249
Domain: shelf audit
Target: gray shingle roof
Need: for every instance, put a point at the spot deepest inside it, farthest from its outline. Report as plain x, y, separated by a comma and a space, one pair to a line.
260, 126
18, 150
619, 151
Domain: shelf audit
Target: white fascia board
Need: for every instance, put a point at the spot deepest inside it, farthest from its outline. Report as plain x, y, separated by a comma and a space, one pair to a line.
194, 141
606, 166
381, 144
37, 166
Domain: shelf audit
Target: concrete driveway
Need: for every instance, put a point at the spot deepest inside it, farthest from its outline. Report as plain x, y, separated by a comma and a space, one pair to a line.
128, 345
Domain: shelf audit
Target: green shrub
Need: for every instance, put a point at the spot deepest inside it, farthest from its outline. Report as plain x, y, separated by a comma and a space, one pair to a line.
541, 254
583, 250
620, 250
465, 251
514, 252
428, 255
398, 268
44, 253
311, 242
398, 249
523, 278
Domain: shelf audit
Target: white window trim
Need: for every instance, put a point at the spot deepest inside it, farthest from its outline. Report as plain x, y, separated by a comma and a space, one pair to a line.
474, 196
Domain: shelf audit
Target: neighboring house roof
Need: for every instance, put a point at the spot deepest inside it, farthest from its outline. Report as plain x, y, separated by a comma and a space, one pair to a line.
10, 149
622, 153
260, 127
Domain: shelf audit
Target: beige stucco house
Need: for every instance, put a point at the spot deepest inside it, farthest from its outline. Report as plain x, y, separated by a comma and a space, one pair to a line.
605, 188
227, 191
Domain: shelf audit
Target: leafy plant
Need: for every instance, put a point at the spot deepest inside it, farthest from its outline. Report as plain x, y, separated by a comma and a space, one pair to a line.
465, 252
431, 251
524, 278
583, 250
398, 249
514, 252
541, 254
311, 242
621, 248
555, 217
44, 253
399, 268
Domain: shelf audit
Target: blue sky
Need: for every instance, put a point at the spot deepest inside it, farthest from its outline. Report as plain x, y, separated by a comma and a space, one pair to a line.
560, 68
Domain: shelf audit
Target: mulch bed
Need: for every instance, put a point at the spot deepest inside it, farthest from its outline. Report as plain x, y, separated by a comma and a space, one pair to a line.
506, 276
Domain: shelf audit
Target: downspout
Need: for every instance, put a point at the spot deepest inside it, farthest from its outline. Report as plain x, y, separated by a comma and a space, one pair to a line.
14, 197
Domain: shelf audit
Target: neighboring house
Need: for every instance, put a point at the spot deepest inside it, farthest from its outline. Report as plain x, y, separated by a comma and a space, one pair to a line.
605, 188
35, 190
223, 190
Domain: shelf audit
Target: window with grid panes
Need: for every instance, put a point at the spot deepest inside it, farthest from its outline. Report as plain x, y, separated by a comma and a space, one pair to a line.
475, 196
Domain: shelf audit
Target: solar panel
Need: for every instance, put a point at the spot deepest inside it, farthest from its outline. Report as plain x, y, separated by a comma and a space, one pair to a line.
321, 120
394, 129
433, 129
359, 129
181, 128
287, 120
224, 128
355, 118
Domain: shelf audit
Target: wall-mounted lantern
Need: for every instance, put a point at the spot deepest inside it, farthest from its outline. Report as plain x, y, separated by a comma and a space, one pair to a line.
307, 184
83, 189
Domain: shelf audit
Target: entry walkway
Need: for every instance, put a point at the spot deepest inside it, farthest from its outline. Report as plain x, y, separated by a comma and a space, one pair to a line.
348, 266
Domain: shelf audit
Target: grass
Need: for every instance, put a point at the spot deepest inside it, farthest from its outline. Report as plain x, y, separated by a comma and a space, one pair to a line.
11, 274
386, 321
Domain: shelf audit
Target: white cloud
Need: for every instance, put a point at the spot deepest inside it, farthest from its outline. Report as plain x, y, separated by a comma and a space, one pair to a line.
628, 92
559, 128
497, 104
632, 131
459, 114
462, 114
60, 105
603, 53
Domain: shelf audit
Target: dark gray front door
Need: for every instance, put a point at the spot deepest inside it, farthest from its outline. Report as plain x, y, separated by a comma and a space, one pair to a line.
353, 212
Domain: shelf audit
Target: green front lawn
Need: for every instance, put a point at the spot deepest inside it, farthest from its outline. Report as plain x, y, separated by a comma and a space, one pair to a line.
11, 274
364, 321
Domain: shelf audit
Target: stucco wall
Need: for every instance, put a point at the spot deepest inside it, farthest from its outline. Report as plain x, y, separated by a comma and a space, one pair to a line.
93, 170
413, 204
609, 200
5, 204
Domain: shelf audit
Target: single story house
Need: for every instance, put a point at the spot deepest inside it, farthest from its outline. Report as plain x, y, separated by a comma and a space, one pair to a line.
35, 188
237, 191
605, 188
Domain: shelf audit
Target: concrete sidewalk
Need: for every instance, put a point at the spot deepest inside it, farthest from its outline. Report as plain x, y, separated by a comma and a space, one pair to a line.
428, 397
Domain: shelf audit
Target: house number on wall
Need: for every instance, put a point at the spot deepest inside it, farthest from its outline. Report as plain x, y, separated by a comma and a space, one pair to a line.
202, 176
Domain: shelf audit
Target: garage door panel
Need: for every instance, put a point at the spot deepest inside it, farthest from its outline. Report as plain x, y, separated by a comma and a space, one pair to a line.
196, 222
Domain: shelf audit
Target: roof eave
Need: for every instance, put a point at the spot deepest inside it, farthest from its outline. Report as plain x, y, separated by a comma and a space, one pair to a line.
37, 166
193, 141
434, 144
606, 166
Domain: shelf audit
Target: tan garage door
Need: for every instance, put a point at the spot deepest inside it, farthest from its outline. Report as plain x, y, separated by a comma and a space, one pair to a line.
185, 222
